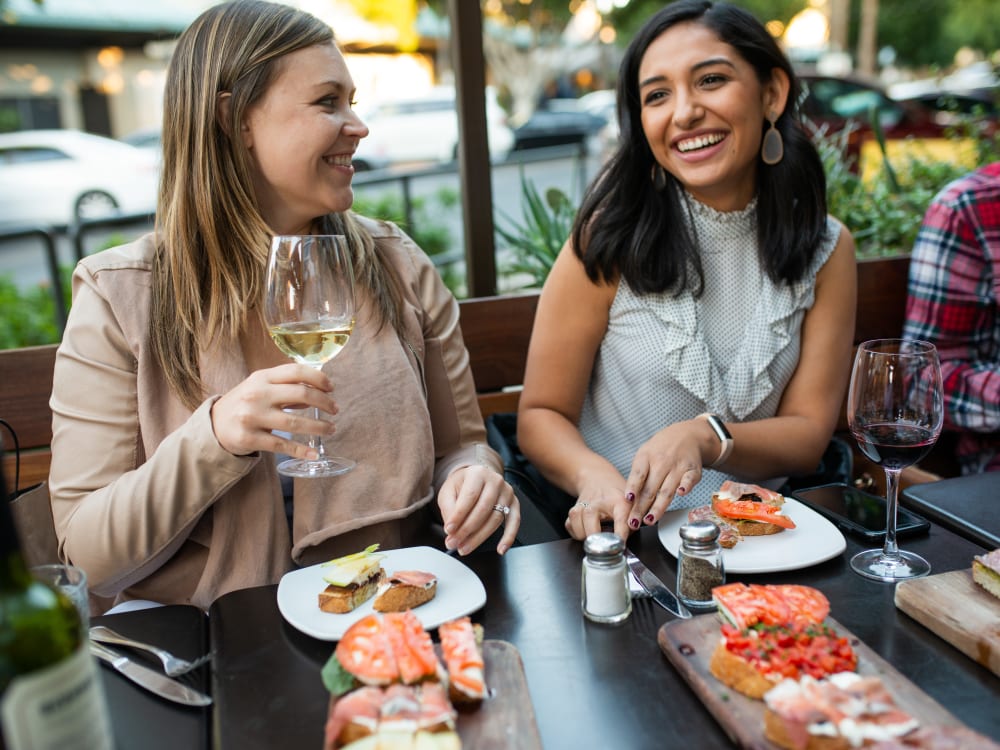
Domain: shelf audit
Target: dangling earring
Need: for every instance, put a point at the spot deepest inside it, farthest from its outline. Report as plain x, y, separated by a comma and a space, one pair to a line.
658, 175
772, 150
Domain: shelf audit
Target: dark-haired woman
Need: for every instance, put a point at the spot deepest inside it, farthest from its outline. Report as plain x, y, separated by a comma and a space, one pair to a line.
697, 325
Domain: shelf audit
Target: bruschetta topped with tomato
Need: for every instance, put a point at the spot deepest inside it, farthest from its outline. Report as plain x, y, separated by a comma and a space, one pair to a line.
773, 632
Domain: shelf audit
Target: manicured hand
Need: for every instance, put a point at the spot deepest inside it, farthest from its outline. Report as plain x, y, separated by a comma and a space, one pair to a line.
469, 500
667, 464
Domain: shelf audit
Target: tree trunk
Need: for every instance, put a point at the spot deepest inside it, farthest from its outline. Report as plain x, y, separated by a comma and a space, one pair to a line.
868, 37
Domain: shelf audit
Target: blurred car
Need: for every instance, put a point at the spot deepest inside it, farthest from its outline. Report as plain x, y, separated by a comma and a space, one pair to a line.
603, 103
951, 107
833, 102
61, 176
145, 138
556, 127
425, 129
912, 129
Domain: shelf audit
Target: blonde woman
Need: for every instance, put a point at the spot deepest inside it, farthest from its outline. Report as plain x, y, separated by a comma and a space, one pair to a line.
169, 398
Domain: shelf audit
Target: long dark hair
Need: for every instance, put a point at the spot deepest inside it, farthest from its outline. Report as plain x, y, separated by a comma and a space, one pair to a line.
628, 227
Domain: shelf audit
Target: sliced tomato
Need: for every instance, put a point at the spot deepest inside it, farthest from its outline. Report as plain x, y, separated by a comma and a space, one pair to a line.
366, 652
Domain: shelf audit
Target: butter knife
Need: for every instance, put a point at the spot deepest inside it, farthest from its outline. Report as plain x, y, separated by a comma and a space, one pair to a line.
161, 685
655, 587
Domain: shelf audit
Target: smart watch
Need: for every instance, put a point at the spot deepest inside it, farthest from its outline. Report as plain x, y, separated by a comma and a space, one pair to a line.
724, 437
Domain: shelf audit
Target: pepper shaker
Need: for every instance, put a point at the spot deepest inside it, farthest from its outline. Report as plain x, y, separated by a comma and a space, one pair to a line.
699, 564
605, 593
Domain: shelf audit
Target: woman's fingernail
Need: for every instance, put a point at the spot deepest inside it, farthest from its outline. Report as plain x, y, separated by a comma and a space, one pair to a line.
681, 490
449, 528
630, 496
649, 518
502, 548
633, 523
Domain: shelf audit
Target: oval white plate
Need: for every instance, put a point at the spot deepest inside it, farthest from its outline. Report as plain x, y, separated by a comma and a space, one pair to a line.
813, 540
459, 592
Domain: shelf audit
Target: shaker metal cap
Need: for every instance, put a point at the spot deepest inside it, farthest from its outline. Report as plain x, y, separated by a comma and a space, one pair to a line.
699, 532
603, 544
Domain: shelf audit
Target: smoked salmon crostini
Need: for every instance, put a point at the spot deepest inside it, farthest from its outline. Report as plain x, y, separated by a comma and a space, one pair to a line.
753, 510
463, 657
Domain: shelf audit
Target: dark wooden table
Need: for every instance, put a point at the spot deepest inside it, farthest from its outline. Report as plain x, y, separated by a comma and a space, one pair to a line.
969, 506
591, 685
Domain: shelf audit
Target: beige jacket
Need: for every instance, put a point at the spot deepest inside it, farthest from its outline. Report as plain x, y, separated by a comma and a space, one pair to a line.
151, 506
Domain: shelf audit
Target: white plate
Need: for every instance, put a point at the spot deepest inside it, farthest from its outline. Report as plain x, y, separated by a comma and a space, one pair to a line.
459, 592
813, 540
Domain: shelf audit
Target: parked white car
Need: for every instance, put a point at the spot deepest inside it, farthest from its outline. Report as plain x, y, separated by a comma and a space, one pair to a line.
425, 129
55, 177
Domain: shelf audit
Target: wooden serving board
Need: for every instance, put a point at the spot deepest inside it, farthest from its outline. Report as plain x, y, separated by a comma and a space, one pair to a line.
688, 644
506, 718
957, 609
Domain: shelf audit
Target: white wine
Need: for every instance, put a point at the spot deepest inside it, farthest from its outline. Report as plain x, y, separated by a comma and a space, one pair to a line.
310, 344
51, 697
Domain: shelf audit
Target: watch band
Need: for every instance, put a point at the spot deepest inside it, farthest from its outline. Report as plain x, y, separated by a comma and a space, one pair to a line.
715, 422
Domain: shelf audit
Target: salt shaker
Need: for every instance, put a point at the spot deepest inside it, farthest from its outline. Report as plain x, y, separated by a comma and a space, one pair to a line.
604, 585
699, 564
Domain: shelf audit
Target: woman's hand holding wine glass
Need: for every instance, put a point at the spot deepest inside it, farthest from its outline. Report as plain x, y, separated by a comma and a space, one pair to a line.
895, 409
309, 313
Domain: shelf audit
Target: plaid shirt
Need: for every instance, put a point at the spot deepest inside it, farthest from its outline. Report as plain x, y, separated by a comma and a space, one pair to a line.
954, 302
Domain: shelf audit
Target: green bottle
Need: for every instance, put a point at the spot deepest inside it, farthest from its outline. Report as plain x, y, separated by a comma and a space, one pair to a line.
51, 696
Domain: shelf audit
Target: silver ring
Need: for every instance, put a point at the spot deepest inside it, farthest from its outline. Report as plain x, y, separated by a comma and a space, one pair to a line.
502, 509
583, 505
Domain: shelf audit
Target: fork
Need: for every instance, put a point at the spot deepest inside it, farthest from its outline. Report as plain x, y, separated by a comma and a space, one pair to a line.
174, 666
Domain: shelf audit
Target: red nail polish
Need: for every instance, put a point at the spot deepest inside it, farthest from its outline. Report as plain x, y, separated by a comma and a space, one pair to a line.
681, 490
630, 496
649, 518
634, 523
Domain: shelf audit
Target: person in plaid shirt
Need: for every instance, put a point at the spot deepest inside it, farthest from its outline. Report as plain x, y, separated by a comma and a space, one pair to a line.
954, 302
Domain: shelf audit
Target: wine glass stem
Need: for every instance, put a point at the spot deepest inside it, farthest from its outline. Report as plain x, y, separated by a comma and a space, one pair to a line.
314, 440
890, 548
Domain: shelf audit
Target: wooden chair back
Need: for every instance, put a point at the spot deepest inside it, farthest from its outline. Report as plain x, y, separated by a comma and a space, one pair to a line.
25, 388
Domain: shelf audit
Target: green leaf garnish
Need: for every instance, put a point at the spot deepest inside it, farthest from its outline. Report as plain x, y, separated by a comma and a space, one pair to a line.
337, 679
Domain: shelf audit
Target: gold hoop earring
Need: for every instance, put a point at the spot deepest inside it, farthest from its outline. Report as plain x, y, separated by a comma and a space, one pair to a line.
658, 176
772, 149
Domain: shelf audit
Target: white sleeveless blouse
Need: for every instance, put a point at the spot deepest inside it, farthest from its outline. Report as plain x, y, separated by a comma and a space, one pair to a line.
664, 359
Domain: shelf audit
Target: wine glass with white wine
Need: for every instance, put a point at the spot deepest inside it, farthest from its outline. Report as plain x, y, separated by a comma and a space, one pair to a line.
895, 409
309, 313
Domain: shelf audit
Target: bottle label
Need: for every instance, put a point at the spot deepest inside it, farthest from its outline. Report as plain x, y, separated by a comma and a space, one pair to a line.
60, 707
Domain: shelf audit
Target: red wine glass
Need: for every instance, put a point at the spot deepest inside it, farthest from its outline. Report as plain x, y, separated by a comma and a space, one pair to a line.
895, 409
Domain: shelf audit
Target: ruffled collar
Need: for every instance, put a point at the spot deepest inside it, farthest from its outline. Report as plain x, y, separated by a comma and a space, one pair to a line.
744, 218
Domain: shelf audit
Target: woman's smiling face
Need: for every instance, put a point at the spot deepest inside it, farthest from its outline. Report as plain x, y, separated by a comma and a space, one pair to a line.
703, 110
301, 135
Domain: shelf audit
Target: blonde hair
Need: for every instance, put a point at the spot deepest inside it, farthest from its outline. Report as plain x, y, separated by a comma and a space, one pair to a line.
212, 243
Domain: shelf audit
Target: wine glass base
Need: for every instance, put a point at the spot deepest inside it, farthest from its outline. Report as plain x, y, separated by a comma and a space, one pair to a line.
328, 466
874, 564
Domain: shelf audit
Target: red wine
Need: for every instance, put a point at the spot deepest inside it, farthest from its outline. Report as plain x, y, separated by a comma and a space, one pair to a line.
894, 446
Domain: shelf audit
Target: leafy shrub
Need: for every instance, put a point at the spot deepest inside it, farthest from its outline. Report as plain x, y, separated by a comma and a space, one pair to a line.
428, 232
884, 210
536, 241
29, 316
